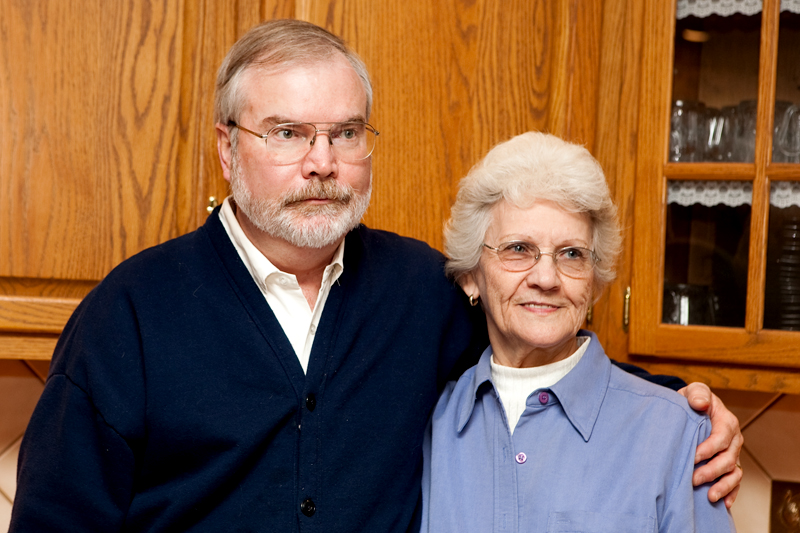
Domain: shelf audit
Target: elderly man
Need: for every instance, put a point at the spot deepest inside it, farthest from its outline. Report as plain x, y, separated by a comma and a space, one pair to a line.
273, 370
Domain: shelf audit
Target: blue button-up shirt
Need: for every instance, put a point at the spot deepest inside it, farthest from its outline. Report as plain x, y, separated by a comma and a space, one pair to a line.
599, 451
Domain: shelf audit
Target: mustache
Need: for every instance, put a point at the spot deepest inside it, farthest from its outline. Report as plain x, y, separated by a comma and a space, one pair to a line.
327, 190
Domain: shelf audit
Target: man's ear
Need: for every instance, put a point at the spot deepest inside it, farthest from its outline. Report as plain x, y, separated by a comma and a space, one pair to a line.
224, 149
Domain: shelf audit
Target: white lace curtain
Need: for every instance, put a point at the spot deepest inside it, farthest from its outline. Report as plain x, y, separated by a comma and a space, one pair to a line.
731, 193
704, 8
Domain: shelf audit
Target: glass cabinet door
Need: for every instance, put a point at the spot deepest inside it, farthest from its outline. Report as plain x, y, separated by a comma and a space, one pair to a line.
716, 253
782, 287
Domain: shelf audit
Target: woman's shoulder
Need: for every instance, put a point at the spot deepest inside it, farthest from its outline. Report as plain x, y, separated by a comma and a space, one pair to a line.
455, 396
632, 390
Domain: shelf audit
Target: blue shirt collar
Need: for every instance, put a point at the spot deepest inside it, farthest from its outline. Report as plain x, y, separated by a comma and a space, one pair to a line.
580, 392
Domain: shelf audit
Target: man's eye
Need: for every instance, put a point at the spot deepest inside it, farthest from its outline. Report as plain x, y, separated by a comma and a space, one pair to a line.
284, 134
348, 132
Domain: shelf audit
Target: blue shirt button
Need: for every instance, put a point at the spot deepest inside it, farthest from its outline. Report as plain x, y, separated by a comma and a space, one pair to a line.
521, 458
543, 398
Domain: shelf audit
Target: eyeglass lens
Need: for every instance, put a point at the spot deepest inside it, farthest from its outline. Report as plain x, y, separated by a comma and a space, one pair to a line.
350, 141
520, 256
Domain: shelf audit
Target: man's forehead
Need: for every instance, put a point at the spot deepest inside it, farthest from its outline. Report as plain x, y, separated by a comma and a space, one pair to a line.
264, 68
260, 86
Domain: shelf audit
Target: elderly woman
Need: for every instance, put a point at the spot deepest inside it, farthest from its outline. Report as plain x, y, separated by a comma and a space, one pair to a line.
544, 433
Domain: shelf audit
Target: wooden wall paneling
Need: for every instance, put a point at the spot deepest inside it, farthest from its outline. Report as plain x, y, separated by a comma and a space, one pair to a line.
419, 107
89, 112
212, 27
615, 149
647, 270
452, 79
585, 26
86, 153
404, 54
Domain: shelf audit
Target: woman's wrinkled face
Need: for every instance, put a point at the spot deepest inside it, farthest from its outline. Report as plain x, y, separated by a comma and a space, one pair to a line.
532, 316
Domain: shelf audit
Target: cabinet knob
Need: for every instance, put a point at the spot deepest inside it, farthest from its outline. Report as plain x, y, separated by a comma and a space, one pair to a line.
212, 203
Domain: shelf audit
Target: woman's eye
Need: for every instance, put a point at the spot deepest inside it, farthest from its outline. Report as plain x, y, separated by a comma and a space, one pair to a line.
517, 248
572, 253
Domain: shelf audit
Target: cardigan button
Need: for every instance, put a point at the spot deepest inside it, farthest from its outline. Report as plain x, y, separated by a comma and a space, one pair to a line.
311, 401
307, 507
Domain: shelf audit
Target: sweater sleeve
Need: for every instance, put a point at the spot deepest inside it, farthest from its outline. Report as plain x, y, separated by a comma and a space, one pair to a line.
75, 470
77, 463
670, 382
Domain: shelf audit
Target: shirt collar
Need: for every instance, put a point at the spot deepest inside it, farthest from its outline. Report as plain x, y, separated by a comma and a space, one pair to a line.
257, 264
580, 392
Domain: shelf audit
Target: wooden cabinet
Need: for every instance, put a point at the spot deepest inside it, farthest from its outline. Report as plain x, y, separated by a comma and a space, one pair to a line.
107, 143
747, 338
104, 151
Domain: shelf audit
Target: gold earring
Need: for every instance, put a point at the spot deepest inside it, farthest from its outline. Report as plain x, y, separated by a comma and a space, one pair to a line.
473, 301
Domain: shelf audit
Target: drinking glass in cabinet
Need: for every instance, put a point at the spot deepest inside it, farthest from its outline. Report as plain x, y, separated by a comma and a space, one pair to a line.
706, 252
715, 69
786, 141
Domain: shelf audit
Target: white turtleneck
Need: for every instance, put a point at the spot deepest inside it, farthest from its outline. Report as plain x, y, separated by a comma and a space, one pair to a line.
514, 385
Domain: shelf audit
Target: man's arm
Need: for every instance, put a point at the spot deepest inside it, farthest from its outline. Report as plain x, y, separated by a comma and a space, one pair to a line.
75, 472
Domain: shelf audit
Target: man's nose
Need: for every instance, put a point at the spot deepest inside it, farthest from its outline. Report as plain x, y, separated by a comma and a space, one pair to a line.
320, 160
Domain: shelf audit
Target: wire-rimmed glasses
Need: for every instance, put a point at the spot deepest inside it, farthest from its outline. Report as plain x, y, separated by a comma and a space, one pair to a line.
519, 256
289, 143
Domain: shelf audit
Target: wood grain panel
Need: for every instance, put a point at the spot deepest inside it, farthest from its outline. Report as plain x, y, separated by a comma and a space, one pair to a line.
211, 28
112, 146
647, 269
31, 347
89, 108
615, 149
452, 79
25, 314
726, 377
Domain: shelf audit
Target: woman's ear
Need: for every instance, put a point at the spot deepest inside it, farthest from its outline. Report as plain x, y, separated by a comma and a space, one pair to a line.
468, 285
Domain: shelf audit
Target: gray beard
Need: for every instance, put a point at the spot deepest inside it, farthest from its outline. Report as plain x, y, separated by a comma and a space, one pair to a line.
306, 226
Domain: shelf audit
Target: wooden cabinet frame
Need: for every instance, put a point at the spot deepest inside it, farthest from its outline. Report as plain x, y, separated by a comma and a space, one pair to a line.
750, 345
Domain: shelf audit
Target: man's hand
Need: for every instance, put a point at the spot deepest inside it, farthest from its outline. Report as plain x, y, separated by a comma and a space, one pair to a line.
722, 446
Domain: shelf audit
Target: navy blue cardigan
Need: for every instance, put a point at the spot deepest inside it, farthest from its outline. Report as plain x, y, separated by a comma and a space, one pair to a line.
176, 403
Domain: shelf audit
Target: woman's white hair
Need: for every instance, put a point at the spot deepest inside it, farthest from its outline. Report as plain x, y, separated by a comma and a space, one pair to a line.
530, 167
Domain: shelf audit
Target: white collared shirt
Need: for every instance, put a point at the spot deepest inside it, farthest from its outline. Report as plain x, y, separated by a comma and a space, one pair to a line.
282, 291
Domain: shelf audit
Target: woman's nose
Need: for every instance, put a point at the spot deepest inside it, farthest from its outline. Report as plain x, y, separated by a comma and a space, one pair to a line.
544, 274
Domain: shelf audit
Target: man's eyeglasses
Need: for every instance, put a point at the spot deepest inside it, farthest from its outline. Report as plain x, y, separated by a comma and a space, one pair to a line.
291, 142
519, 256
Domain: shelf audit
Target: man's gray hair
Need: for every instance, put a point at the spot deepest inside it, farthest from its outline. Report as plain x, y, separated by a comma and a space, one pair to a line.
530, 167
276, 45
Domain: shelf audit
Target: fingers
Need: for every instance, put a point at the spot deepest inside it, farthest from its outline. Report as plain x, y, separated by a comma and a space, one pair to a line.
731, 497
721, 464
698, 394
725, 436
727, 487
722, 447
